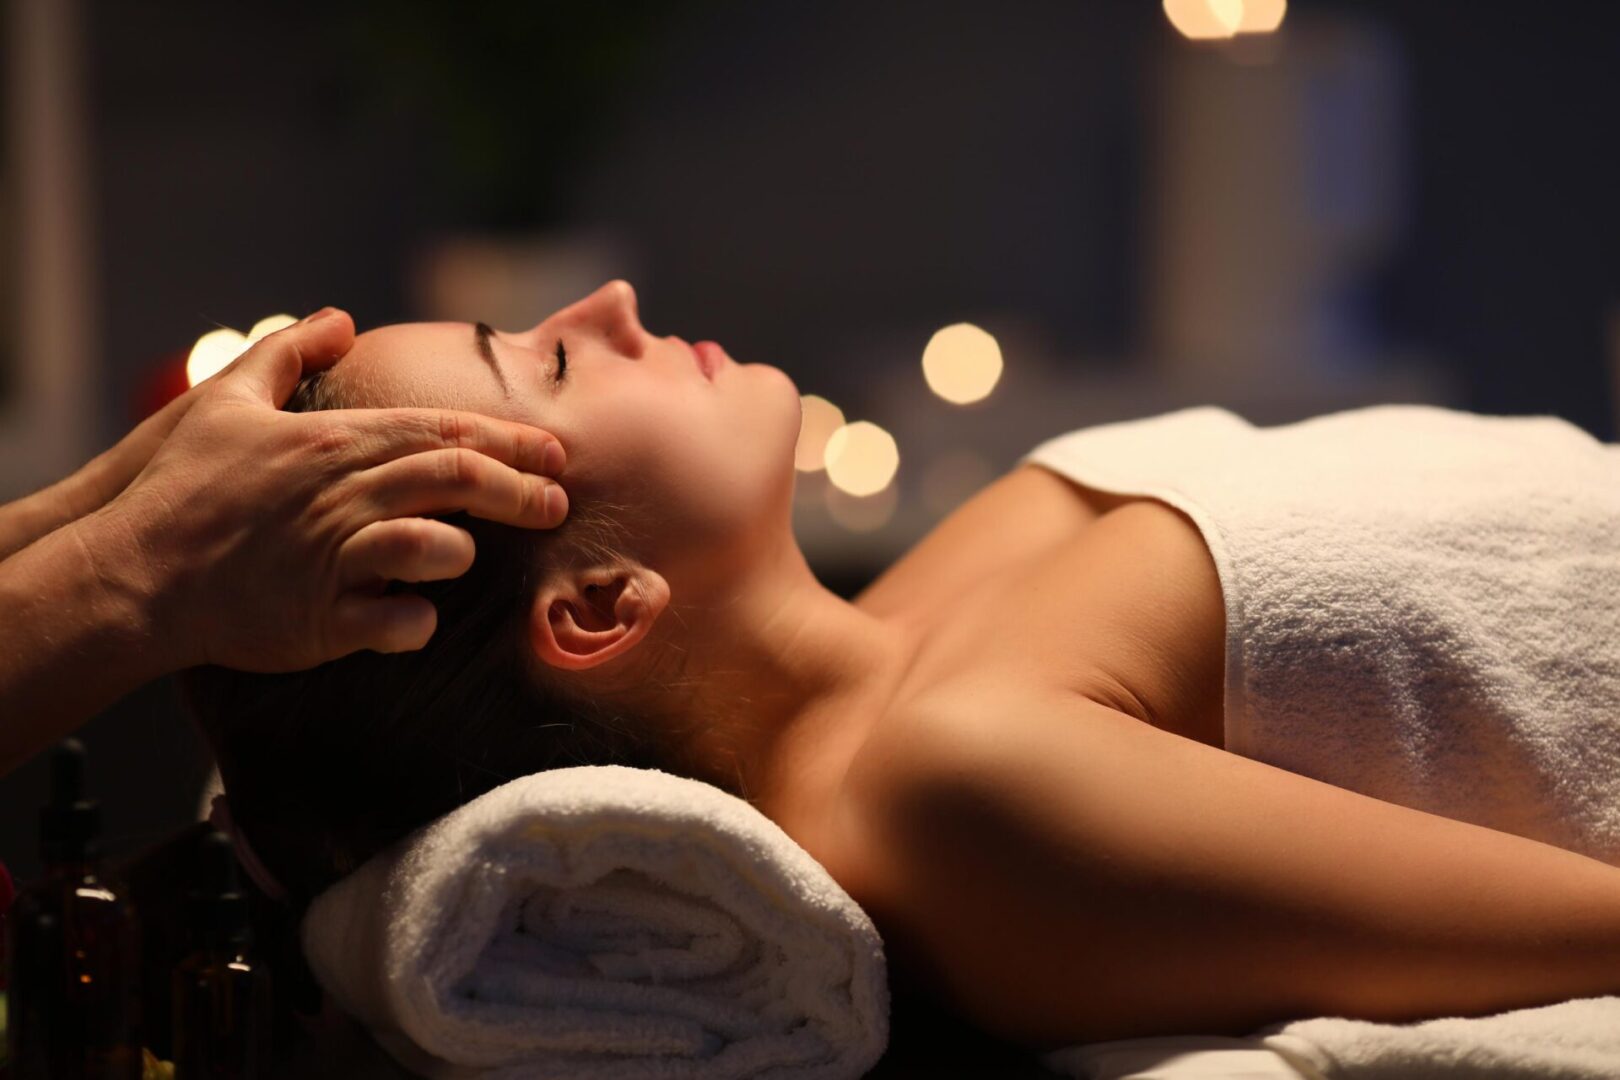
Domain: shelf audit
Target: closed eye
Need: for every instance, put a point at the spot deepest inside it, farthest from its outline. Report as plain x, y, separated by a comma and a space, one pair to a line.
562, 363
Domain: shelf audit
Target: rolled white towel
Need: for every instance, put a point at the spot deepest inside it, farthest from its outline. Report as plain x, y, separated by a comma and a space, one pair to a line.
605, 923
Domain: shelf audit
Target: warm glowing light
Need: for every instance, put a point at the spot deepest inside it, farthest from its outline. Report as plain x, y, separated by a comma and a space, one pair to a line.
861, 458
821, 419
1205, 20
269, 325
1262, 16
962, 363
213, 351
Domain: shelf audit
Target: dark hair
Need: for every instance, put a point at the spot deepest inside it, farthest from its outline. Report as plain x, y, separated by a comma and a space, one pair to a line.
324, 768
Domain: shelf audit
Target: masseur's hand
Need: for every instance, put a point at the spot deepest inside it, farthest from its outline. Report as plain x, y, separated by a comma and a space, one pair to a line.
261, 540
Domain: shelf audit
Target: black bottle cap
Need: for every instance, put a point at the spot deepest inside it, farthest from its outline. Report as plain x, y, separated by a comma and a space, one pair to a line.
70, 824
216, 906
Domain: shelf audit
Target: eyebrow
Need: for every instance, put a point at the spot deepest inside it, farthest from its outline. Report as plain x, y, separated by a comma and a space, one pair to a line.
481, 335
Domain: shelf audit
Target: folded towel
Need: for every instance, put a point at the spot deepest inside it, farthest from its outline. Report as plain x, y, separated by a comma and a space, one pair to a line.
605, 922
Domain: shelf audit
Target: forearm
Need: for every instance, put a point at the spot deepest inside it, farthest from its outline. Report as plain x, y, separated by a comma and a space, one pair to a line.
25, 520
77, 635
1273, 895
1180, 888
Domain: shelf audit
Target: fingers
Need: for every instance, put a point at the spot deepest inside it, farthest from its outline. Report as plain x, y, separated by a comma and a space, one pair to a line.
441, 481
383, 624
404, 549
373, 436
270, 370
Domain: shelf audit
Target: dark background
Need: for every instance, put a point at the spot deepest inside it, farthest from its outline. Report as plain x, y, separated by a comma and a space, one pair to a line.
796, 179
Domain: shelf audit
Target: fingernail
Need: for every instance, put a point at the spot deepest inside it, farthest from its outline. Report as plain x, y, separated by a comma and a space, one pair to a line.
552, 460
556, 504
319, 315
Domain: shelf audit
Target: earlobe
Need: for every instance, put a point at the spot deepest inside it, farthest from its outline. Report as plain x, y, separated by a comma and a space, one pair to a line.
595, 616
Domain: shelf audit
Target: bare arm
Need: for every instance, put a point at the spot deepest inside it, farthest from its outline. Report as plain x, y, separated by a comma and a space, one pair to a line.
25, 520
1088, 877
76, 637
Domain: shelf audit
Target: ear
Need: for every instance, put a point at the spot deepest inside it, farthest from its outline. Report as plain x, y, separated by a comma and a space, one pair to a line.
583, 618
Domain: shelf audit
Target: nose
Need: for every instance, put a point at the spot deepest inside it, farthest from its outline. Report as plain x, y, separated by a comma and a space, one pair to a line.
612, 309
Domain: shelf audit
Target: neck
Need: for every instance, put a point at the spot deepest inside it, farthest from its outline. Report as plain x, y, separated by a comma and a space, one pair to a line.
783, 681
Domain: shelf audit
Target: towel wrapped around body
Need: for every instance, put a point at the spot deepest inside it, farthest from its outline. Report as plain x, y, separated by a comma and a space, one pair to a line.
1423, 606
605, 923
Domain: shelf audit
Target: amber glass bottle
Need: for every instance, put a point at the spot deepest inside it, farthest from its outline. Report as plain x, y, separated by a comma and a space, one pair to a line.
73, 954
221, 991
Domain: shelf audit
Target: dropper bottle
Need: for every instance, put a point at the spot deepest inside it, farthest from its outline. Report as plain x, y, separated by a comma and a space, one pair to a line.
221, 990
74, 948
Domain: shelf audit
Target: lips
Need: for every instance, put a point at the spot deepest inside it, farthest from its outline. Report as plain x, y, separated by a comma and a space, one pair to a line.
711, 357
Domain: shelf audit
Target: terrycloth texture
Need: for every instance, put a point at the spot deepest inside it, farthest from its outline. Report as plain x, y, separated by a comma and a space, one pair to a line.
1422, 605
605, 922
1572, 1040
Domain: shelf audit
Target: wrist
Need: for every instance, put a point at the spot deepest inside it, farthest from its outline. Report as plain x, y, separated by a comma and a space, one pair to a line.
128, 591
77, 635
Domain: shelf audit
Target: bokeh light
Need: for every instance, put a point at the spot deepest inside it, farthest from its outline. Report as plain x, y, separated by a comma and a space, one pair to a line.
1205, 20
1211, 20
213, 351
269, 325
861, 458
821, 419
962, 363
1262, 16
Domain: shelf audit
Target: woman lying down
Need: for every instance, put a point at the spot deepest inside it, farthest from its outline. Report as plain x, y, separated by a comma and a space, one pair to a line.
1179, 726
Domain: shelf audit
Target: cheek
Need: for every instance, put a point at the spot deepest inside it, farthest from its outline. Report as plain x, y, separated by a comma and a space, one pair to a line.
697, 465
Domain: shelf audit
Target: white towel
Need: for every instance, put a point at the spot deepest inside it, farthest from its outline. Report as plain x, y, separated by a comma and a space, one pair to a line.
605, 922
1422, 605
1570, 1040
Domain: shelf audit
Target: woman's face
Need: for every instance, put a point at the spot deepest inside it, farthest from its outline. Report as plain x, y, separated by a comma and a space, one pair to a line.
699, 470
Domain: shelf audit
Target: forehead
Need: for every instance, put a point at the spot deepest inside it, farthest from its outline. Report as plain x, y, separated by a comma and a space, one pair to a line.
433, 365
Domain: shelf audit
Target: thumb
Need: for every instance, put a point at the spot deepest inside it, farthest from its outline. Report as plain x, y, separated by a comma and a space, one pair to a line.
386, 624
268, 372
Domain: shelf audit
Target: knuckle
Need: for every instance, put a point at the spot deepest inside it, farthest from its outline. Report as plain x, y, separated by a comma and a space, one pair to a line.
326, 502
330, 440
453, 429
412, 539
532, 498
462, 468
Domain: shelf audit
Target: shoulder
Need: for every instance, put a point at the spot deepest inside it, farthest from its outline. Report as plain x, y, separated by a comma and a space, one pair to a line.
968, 841
982, 742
